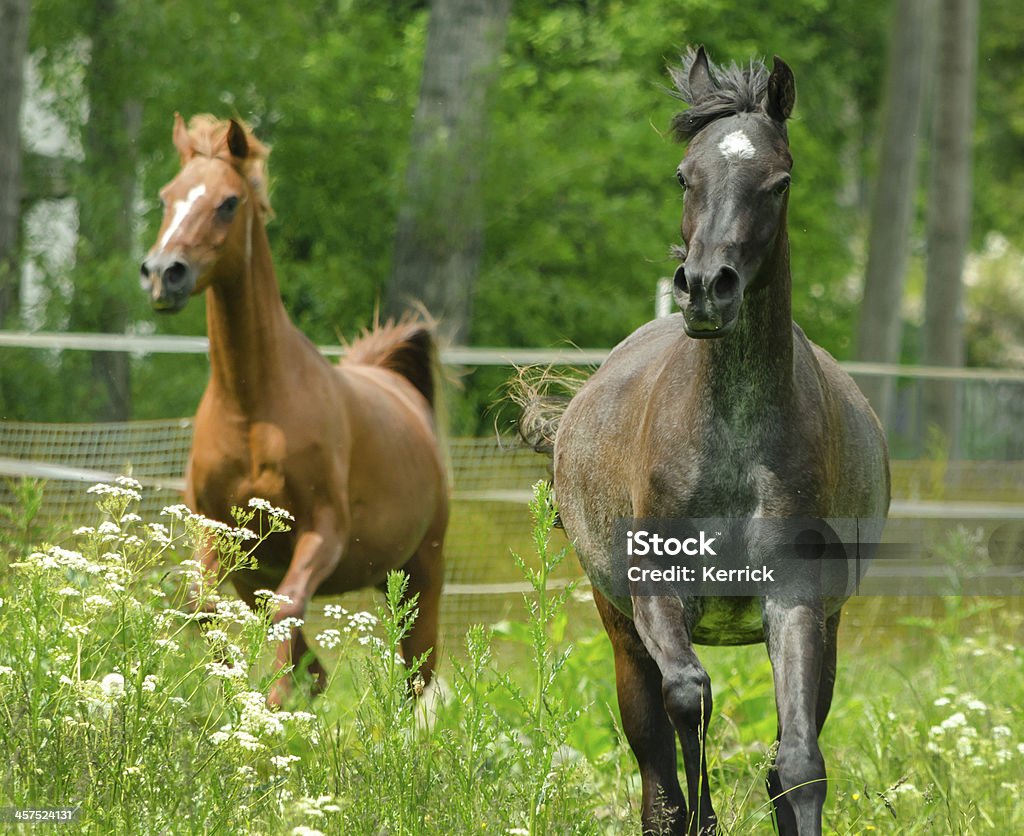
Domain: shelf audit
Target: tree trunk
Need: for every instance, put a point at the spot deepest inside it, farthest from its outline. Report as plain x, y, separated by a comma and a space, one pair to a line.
13, 47
105, 192
439, 240
880, 327
949, 206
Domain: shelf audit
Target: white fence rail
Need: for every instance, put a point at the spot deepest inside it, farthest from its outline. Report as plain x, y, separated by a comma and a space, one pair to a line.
142, 344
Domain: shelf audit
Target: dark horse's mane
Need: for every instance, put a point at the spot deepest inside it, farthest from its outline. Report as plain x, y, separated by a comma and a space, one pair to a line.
736, 90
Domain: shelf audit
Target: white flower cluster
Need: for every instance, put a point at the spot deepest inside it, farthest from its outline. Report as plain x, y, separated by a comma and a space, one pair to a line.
959, 734
259, 727
270, 510
125, 488
282, 630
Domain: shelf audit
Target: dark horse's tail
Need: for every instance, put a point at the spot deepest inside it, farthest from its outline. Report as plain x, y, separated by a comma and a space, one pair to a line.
407, 347
542, 394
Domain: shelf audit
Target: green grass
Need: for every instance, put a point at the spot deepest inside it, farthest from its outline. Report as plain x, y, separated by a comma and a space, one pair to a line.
114, 700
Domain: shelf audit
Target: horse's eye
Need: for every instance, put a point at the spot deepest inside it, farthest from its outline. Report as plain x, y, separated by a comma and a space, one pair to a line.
782, 188
227, 208
681, 179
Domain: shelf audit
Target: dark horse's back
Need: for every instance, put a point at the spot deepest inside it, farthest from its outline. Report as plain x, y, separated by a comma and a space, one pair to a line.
643, 439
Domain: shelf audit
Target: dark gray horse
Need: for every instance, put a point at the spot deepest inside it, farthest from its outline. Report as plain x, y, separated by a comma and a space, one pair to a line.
726, 411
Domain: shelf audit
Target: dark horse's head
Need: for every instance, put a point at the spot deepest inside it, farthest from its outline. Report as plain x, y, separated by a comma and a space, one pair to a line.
736, 176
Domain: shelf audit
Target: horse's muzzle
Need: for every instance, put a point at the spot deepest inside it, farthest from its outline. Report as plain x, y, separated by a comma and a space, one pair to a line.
168, 281
710, 301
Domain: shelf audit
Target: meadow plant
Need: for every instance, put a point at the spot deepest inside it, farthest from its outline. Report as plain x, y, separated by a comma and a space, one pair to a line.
132, 689
116, 701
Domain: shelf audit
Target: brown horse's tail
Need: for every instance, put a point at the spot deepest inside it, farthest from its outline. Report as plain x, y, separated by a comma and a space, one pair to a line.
407, 347
542, 395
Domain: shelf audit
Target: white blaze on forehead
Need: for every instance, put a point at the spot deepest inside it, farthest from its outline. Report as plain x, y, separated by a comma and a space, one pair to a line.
736, 146
181, 210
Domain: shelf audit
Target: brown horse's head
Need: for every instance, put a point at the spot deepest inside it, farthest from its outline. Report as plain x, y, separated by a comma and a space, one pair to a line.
209, 210
736, 176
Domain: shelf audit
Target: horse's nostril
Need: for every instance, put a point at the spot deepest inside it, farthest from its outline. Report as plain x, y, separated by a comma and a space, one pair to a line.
174, 275
726, 285
679, 279
144, 270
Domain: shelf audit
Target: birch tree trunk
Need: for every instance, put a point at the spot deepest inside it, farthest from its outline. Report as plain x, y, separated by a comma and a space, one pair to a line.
440, 235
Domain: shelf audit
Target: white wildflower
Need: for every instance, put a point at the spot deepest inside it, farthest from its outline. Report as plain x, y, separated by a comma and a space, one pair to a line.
282, 762
282, 630
941, 701
116, 491
362, 622
955, 721
247, 741
149, 684
219, 669
329, 639
273, 511
273, 597
335, 611
112, 684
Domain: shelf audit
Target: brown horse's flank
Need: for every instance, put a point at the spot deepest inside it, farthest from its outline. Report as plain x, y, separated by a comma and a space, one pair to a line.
724, 411
351, 450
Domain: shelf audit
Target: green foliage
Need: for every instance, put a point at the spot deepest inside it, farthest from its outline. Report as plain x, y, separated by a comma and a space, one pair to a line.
580, 202
116, 700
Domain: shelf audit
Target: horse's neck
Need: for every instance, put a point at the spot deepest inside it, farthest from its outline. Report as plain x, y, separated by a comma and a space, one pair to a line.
751, 369
253, 343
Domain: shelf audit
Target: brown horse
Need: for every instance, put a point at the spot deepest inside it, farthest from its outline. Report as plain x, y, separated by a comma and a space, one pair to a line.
728, 412
352, 451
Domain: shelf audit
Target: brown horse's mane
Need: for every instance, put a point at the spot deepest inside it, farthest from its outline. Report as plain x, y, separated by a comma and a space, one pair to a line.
208, 137
737, 89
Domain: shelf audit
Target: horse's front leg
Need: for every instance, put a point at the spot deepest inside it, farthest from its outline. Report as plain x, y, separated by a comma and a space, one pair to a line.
665, 627
316, 555
796, 636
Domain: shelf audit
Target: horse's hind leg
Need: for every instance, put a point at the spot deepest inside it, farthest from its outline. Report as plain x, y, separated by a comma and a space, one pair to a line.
801, 646
645, 722
426, 577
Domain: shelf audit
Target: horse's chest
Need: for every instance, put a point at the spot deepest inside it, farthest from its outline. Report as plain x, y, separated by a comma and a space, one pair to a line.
228, 468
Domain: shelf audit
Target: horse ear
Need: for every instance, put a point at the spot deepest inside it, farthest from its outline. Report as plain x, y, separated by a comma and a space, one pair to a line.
699, 79
781, 95
181, 139
238, 145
